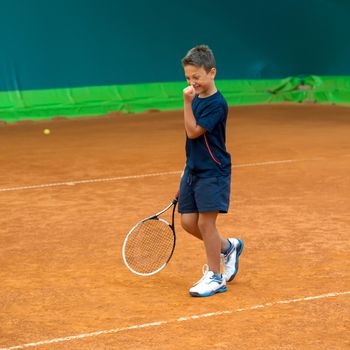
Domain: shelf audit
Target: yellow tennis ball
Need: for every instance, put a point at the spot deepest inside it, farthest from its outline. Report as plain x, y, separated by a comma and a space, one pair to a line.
47, 131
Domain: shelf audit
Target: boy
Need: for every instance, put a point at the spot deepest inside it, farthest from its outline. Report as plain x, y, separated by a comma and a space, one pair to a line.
205, 183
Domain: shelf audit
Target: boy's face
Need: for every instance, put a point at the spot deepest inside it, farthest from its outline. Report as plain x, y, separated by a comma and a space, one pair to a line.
202, 82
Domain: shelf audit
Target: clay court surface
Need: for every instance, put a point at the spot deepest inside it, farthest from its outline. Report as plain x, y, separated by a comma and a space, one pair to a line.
63, 282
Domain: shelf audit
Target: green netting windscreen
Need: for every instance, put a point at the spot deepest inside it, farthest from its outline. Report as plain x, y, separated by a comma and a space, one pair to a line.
41, 104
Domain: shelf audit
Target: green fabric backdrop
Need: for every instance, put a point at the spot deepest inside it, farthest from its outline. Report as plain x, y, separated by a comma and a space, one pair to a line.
88, 57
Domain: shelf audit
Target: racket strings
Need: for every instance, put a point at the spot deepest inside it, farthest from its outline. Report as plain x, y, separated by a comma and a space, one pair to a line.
149, 246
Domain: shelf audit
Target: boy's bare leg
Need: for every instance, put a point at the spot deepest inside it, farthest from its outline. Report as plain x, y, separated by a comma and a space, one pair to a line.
190, 223
211, 238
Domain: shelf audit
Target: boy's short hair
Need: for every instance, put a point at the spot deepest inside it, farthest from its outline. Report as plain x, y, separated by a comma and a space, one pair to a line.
200, 56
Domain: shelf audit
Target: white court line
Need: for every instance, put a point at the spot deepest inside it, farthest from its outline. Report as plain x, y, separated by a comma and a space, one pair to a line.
176, 172
180, 319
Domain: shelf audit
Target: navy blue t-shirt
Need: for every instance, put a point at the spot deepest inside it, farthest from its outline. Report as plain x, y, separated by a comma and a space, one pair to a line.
206, 155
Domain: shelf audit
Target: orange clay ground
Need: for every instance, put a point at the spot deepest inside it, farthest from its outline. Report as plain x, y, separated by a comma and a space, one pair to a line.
63, 282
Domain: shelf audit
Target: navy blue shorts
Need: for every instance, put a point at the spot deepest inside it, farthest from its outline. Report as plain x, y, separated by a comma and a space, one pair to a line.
204, 194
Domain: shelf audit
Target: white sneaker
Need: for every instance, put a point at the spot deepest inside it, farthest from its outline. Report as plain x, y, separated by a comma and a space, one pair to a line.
209, 284
230, 258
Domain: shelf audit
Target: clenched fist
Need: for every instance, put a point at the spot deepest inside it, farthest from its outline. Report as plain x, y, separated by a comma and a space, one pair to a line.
189, 93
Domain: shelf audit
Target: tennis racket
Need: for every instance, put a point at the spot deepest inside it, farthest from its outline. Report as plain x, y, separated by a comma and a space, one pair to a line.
150, 244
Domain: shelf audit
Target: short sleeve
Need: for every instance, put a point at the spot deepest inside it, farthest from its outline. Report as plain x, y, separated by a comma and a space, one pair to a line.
211, 116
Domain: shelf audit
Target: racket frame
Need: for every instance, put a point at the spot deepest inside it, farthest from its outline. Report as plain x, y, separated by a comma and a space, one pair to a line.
153, 217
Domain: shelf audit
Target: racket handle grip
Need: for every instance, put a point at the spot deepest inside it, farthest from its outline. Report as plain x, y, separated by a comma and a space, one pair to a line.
176, 197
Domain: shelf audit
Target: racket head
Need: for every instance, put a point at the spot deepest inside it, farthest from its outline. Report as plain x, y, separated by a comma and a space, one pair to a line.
149, 246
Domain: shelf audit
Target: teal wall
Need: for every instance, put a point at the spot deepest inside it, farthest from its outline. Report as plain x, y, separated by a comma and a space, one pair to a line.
76, 43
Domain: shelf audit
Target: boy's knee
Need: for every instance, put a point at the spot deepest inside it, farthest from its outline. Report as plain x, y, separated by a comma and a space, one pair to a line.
188, 224
202, 225
185, 224
206, 222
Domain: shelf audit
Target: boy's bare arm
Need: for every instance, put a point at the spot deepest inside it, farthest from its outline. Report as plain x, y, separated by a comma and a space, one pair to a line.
193, 130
